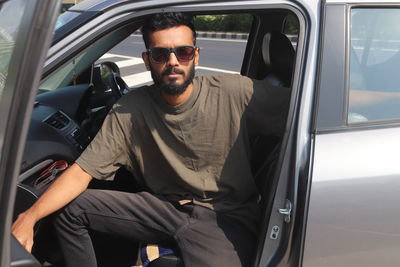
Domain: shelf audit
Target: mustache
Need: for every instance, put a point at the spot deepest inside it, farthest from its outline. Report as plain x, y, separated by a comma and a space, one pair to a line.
172, 70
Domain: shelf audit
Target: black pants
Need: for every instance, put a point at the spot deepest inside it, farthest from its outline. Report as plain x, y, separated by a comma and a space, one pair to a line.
204, 237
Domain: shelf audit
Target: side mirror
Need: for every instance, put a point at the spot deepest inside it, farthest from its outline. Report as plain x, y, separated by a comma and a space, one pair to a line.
107, 76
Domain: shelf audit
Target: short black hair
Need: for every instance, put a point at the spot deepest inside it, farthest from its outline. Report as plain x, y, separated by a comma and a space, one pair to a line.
166, 20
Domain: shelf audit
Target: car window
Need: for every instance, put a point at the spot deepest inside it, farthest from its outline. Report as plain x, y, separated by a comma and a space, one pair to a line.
11, 17
291, 29
11, 14
374, 57
65, 75
65, 17
221, 48
222, 51
70, 71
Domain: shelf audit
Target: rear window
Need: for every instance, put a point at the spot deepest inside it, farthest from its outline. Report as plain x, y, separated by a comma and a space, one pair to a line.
374, 80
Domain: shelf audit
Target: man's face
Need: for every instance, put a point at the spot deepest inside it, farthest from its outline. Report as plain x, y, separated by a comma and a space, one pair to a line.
172, 75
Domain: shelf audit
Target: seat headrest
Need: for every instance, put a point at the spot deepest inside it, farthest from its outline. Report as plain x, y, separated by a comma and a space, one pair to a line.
278, 54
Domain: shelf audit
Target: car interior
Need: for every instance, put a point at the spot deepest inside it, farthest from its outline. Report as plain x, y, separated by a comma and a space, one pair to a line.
75, 96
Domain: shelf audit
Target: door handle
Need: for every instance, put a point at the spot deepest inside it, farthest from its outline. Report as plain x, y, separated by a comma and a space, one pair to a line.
287, 211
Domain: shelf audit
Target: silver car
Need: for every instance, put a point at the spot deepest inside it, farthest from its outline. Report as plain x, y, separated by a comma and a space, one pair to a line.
329, 187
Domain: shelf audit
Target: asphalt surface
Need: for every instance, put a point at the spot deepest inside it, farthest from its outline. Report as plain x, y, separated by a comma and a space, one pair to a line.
216, 56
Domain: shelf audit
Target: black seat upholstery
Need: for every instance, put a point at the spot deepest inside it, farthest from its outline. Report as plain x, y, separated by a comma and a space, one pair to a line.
278, 54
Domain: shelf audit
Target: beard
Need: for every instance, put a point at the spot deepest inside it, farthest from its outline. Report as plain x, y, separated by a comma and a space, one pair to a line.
172, 88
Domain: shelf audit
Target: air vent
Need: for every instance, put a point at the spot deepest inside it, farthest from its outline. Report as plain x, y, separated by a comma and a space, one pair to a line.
57, 120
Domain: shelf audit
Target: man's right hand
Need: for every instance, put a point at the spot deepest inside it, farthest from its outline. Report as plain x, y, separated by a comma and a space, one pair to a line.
70, 184
22, 229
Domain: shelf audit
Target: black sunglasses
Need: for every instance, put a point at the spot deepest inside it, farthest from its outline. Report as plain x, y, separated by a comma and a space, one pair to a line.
161, 54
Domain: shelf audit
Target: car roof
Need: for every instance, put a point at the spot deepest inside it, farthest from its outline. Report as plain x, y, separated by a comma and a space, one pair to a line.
97, 5
380, 2
101, 5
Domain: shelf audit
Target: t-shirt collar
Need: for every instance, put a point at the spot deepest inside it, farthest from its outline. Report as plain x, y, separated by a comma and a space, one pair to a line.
179, 108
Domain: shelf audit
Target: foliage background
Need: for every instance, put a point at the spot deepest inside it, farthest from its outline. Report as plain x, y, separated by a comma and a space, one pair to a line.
224, 23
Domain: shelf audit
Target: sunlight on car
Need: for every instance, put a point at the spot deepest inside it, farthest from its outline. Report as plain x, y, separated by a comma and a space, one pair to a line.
64, 18
66, 15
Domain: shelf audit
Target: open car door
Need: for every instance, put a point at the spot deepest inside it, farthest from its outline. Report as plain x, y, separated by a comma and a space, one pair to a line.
26, 29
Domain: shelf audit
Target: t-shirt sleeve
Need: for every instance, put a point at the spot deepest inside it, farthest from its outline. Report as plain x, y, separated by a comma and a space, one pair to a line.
266, 106
108, 150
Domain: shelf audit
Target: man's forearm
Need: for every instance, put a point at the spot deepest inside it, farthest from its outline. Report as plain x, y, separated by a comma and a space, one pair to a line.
65, 188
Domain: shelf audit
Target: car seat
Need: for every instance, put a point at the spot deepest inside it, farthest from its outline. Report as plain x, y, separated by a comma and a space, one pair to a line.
278, 54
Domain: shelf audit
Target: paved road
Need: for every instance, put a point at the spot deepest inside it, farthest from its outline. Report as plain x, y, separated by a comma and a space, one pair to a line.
216, 56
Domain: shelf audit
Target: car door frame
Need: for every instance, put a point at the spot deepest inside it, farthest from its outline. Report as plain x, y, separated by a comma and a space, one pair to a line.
294, 159
16, 105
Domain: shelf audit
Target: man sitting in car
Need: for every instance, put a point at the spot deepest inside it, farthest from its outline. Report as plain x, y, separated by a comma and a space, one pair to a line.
186, 139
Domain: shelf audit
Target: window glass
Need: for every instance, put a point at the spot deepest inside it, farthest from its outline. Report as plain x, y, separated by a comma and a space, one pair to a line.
11, 17
222, 40
69, 73
291, 29
374, 80
222, 46
65, 75
65, 17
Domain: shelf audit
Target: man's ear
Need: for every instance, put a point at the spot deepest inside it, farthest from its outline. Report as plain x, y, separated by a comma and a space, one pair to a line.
197, 56
145, 57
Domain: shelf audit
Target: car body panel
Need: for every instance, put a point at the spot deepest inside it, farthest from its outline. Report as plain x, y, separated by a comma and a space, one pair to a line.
100, 5
355, 176
374, 2
353, 214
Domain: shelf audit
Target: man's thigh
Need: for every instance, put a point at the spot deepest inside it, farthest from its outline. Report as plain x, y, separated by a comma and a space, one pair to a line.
142, 216
213, 239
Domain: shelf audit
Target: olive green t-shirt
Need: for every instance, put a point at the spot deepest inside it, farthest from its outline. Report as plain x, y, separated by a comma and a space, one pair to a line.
197, 151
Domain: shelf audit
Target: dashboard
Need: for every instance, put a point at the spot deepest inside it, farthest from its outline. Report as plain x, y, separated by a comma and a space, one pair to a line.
53, 135
63, 123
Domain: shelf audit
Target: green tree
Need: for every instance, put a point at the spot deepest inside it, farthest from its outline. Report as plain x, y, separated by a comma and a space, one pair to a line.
224, 23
